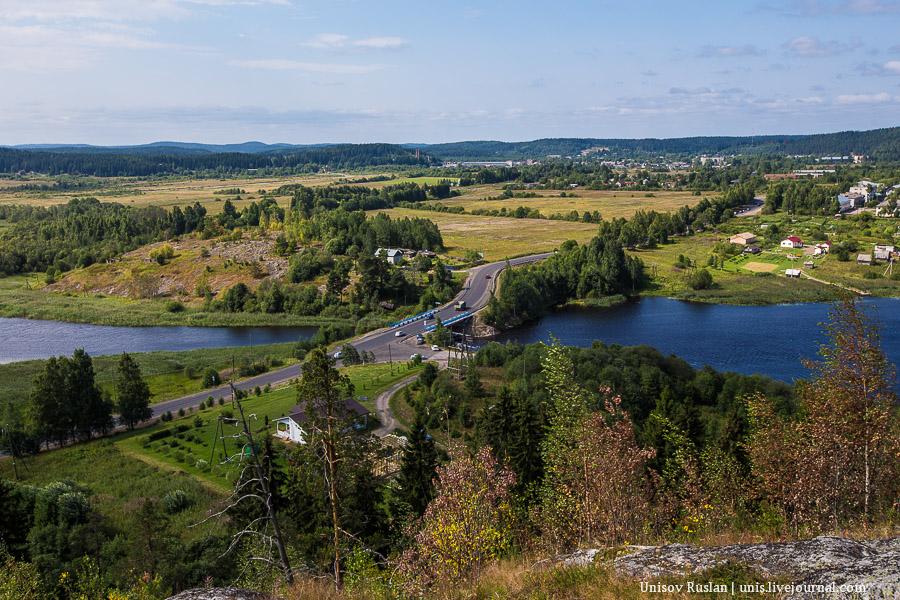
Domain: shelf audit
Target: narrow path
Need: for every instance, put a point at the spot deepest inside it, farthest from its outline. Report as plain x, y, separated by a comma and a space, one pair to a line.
383, 407
849, 289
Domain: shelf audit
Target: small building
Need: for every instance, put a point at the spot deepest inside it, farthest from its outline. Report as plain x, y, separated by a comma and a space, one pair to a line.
792, 242
809, 265
290, 427
743, 238
792, 272
752, 249
883, 209
883, 252
864, 259
393, 256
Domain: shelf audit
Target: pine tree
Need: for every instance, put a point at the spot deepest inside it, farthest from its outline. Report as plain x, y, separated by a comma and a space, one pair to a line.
417, 467
132, 392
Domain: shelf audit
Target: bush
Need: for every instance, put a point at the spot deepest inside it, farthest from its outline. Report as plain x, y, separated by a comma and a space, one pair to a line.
269, 385
209, 402
158, 435
221, 400
202, 465
174, 306
257, 391
182, 428
179, 456
175, 501
211, 378
181, 412
701, 280
198, 422
871, 275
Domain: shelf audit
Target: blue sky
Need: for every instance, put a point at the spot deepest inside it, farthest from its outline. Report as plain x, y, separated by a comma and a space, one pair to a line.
296, 71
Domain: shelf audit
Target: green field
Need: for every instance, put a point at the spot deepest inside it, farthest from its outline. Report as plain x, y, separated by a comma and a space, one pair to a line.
610, 203
169, 374
499, 237
182, 451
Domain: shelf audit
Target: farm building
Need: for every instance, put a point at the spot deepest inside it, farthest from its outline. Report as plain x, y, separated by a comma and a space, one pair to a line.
792, 242
752, 249
290, 427
742, 238
792, 272
809, 265
864, 259
883, 252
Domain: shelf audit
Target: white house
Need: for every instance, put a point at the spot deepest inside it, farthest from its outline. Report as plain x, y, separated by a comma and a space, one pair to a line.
393, 256
290, 427
883, 252
792, 242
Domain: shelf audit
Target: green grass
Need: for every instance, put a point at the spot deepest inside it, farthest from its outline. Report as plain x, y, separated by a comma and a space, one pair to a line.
16, 300
165, 372
116, 480
197, 443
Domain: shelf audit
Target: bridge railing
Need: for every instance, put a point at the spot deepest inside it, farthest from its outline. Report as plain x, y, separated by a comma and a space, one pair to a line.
425, 315
451, 321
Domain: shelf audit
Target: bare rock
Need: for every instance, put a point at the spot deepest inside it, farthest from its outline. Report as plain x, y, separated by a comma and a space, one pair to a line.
228, 593
822, 567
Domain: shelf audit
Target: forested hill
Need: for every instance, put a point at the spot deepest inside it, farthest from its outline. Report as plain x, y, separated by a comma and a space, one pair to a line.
877, 143
115, 163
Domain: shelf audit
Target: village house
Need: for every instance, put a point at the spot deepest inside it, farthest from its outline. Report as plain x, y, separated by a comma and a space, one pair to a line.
752, 249
864, 259
743, 238
822, 248
792, 242
393, 256
290, 427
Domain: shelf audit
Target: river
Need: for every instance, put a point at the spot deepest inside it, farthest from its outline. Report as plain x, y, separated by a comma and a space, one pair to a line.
746, 339
26, 339
770, 340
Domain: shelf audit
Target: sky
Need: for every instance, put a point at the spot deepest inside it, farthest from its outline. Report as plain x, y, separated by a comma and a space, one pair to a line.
110, 72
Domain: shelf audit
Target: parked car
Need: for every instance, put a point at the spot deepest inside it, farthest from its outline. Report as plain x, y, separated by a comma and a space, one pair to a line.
399, 334
337, 354
435, 347
420, 340
414, 356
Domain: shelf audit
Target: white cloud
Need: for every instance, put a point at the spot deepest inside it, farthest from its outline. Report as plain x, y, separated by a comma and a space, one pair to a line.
729, 51
341, 43
831, 7
810, 46
881, 98
890, 68
281, 64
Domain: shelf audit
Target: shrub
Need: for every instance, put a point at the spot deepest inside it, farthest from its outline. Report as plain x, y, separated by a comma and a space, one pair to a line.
182, 428
179, 456
257, 391
202, 405
209, 402
181, 412
871, 275
269, 385
174, 306
221, 400
158, 435
175, 501
701, 280
198, 422
211, 378
202, 465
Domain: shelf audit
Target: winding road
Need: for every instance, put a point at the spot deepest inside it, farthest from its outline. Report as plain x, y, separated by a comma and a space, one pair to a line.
384, 343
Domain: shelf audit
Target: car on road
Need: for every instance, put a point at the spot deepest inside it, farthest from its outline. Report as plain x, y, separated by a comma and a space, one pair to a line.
400, 334
420, 340
435, 347
487, 275
415, 356
337, 354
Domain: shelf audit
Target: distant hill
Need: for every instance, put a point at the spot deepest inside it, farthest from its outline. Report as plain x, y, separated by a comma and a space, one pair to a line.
140, 161
883, 144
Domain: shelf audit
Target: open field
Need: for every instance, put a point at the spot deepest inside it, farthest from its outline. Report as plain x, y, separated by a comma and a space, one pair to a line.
758, 267
499, 237
611, 204
167, 193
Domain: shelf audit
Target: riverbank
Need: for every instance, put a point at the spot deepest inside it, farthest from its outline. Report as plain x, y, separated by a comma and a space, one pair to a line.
18, 300
168, 374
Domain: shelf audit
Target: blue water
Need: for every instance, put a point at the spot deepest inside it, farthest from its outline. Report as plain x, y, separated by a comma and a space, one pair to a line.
26, 339
770, 340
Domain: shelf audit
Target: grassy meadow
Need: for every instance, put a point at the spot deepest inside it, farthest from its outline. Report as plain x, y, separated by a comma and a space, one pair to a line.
499, 237
610, 203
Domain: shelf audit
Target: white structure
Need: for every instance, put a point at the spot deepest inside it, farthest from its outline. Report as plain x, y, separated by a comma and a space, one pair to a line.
792, 242
290, 427
883, 252
393, 256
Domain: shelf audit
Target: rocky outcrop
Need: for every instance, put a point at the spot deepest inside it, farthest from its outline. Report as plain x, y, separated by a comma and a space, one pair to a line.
228, 593
822, 567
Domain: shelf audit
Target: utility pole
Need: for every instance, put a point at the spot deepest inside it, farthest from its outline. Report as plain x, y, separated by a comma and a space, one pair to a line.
11, 451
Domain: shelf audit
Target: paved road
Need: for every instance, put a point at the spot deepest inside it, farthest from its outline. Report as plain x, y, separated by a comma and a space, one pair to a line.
384, 343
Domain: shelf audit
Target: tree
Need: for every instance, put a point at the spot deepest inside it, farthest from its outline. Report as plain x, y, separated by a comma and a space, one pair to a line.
417, 467
321, 390
350, 355
132, 392
839, 460
700, 280
441, 335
